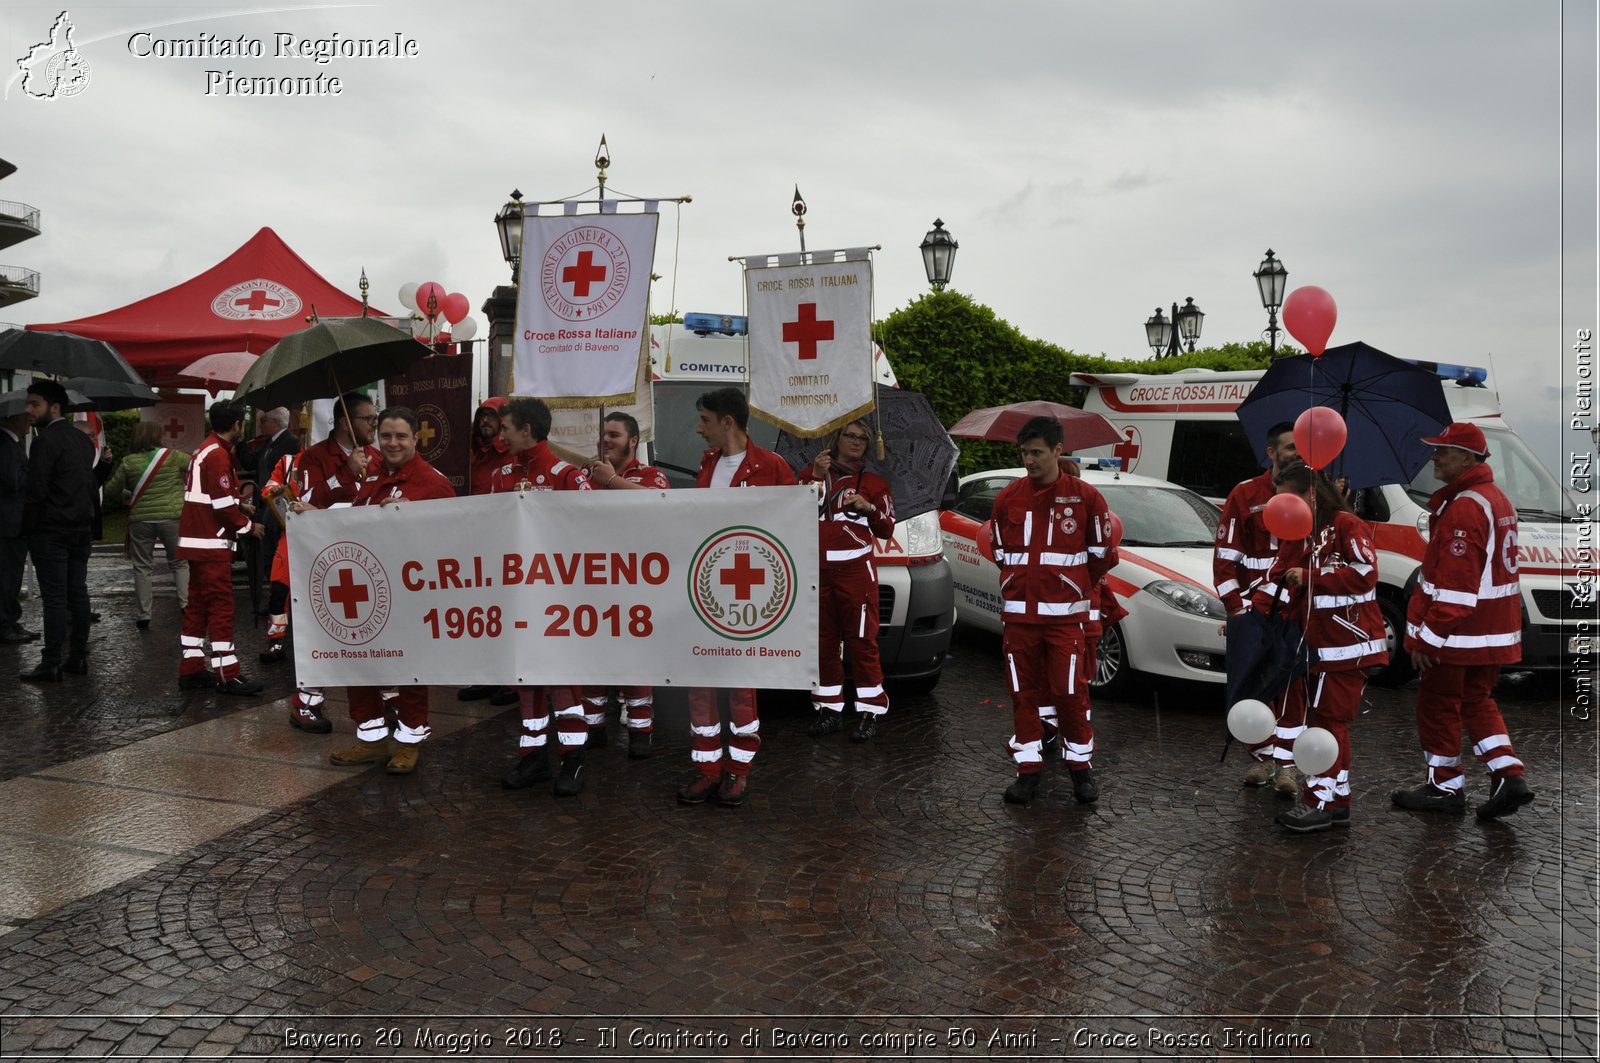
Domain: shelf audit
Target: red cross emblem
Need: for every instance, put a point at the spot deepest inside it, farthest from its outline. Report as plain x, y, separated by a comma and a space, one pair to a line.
807, 330
347, 593
258, 301
174, 428
741, 577
583, 273
1128, 449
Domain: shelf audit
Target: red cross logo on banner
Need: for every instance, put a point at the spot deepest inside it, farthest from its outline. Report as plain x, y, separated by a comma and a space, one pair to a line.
1128, 449
583, 273
174, 428
807, 330
347, 593
741, 577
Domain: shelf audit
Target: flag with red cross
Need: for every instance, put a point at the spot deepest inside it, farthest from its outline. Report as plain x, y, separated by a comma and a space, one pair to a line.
182, 419
810, 341
583, 306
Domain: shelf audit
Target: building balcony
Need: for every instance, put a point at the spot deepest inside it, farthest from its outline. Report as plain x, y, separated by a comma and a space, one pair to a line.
18, 222
17, 284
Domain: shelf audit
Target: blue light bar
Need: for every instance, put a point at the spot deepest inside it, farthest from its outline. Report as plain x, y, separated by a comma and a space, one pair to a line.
726, 324
1469, 376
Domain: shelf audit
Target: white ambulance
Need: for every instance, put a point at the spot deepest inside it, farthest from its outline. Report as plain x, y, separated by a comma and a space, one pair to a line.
1182, 427
915, 595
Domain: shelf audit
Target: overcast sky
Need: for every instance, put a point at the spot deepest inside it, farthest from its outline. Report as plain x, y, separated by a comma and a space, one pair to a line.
1094, 159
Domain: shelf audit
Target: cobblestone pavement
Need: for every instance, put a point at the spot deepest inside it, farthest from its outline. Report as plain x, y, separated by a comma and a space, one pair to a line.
872, 900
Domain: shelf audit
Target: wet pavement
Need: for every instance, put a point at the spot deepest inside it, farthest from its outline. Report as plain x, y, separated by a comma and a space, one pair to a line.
185, 875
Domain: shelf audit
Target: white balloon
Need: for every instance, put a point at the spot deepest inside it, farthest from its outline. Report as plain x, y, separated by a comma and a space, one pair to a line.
1251, 721
465, 329
408, 297
1315, 750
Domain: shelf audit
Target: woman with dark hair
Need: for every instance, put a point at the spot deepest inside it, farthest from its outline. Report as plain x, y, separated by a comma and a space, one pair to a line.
1330, 579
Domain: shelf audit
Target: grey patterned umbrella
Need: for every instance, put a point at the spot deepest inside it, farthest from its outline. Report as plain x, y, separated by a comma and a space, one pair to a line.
919, 455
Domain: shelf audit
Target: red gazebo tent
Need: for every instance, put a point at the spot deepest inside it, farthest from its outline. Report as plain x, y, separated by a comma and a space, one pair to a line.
247, 302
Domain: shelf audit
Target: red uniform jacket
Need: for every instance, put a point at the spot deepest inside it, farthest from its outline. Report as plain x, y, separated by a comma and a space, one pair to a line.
488, 456
1052, 545
1342, 621
415, 481
1467, 607
845, 537
211, 520
645, 475
542, 468
760, 468
1245, 548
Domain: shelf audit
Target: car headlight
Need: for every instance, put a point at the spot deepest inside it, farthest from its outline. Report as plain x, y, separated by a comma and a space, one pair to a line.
1188, 599
920, 534
1424, 519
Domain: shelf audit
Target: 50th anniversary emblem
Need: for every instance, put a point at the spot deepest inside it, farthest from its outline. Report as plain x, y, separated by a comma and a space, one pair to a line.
742, 583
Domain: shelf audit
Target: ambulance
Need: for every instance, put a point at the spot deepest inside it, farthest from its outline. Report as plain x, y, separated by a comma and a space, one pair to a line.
915, 595
1182, 427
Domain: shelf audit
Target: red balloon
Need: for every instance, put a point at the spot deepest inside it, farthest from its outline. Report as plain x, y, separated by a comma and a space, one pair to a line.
432, 292
1116, 530
1319, 436
1287, 516
1309, 315
456, 307
985, 543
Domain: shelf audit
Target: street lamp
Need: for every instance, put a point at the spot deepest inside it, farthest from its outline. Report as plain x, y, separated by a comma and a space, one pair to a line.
1271, 279
938, 255
1164, 339
509, 224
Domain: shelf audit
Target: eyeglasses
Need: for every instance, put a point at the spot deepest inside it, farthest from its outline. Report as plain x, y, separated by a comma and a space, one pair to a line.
370, 418
858, 437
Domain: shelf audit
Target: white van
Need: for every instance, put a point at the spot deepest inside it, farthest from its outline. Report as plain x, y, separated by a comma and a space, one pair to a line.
1182, 427
915, 595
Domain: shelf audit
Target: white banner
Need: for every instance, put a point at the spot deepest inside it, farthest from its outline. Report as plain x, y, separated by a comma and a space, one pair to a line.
575, 433
582, 308
680, 588
810, 344
182, 419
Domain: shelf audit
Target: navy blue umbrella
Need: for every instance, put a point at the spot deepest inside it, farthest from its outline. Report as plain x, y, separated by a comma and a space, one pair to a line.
1387, 404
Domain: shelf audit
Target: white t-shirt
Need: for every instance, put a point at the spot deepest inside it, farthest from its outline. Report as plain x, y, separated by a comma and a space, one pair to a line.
727, 465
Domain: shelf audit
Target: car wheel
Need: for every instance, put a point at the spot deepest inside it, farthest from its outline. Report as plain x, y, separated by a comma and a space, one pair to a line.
1398, 671
1111, 672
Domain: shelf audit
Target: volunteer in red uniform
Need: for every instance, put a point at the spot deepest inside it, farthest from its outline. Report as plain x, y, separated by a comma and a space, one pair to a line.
209, 526
1051, 537
401, 477
1464, 621
320, 476
1244, 552
619, 469
531, 465
855, 510
1329, 582
732, 461
488, 448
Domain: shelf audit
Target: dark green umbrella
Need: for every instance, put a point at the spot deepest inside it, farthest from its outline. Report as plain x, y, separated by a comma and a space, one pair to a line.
63, 354
327, 359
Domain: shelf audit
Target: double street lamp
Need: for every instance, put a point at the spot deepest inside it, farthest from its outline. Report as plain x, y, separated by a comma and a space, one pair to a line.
1164, 334
1271, 279
938, 255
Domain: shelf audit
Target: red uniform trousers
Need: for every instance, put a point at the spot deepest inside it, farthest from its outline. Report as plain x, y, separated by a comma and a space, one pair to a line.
637, 702
847, 614
535, 704
209, 615
1333, 701
370, 707
705, 726
1450, 696
1045, 667
1290, 709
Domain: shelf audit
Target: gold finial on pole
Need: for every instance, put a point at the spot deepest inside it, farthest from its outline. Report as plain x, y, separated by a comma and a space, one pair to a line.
798, 209
364, 286
602, 159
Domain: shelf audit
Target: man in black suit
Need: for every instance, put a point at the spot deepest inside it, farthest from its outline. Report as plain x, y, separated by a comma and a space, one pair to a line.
58, 516
13, 544
272, 427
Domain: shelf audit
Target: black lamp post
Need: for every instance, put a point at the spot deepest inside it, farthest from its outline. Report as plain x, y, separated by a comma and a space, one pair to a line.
1271, 279
501, 307
1164, 339
509, 224
938, 255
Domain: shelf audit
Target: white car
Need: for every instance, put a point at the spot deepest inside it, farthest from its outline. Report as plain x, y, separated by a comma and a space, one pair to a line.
1176, 625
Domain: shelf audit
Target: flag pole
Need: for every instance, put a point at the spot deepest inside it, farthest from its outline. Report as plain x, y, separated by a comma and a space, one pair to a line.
798, 209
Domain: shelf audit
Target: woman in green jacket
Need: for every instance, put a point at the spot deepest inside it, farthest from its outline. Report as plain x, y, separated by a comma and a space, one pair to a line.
149, 481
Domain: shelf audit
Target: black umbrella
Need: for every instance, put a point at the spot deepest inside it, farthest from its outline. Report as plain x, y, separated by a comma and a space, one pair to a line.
14, 402
110, 395
63, 354
327, 359
919, 455
1388, 405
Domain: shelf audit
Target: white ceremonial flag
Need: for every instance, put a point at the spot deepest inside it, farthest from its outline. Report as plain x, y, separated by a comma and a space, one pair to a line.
687, 588
575, 432
583, 307
810, 344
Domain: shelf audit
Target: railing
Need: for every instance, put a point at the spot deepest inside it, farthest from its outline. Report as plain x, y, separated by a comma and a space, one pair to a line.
22, 212
18, 277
